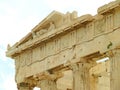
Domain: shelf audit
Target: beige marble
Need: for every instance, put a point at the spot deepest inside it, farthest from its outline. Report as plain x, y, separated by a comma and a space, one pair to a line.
60, 53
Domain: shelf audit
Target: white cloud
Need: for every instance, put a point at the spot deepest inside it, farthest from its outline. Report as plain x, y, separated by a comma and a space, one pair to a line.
82, 6
9, 83
8, 23
2, 53
59, 5
2, 76
13, 26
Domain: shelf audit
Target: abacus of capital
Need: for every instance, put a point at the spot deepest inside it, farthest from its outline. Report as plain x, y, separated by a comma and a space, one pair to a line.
67, 52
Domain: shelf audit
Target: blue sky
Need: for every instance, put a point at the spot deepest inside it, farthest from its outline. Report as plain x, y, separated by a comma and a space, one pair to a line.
18, 17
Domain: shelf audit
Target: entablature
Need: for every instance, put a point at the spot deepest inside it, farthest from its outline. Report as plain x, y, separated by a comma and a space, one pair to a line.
31, 40
107, 8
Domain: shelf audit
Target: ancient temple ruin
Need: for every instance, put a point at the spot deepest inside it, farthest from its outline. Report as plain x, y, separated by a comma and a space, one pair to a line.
67, 52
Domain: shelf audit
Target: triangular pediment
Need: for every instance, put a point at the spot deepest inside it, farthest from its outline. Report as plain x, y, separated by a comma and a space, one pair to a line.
44, 24
52, 17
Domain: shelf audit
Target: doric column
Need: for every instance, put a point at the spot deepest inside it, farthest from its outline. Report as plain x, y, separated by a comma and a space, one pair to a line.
115, 69
47, 80
47, 85
93, 82
24, 86
81, 76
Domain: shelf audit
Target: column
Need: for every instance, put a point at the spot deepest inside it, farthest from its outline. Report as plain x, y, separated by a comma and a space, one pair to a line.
24, 86
81, 76
93, 82
115, 69
47, 85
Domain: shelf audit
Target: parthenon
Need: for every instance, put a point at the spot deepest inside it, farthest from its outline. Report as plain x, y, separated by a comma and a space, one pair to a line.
70, 52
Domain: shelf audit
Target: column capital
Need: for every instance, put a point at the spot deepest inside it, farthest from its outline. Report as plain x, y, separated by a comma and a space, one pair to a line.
24, 86
81, 76
47, 84
46, 75
110, 53
113, 52
83, 65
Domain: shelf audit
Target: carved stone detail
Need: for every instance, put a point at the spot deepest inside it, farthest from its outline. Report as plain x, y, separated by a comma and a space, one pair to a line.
41, 32
47, 85
33, 34
99, 26
24, 86
67, 18
81, 76
115, 70
8, 47
52, 26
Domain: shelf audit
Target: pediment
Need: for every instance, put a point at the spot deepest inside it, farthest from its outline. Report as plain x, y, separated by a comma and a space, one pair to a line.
44, 25
54, 17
